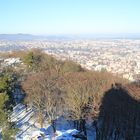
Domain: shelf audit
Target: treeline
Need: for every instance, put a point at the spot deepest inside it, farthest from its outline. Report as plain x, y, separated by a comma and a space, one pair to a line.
57, 88
63, 88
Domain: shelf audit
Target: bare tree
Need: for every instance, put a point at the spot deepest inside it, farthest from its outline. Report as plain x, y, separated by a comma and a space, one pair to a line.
44, 95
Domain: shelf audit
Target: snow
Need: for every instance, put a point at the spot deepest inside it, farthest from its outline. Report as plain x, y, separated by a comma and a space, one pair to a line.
29, 129
11, 61
24, 121
62, 135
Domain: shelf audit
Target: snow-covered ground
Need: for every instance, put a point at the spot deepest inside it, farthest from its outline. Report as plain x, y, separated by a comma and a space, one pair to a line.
24, 121
10, 61
29, 128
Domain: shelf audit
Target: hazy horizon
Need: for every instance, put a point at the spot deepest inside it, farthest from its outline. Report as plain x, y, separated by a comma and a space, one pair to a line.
27, 36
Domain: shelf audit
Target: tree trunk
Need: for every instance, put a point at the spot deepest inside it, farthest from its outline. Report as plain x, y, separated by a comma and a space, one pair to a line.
53, 126
40, 117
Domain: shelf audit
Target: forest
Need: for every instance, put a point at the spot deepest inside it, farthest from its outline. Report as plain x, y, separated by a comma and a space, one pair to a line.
55, 88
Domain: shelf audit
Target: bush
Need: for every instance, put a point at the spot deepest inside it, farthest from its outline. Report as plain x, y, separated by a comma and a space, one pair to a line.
70, 66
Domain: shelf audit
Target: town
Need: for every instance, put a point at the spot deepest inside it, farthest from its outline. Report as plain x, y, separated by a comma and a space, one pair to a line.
118, 56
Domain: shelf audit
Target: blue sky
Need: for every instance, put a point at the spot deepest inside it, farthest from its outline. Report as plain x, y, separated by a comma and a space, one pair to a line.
69, 16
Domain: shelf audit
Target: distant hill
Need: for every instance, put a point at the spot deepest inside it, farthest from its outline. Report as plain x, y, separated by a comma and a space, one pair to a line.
18, 37
14, 37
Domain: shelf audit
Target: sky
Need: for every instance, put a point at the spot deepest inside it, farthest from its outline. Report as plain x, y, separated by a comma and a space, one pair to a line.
45, 17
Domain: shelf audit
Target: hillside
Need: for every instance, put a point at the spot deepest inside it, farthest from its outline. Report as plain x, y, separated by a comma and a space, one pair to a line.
53, 98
